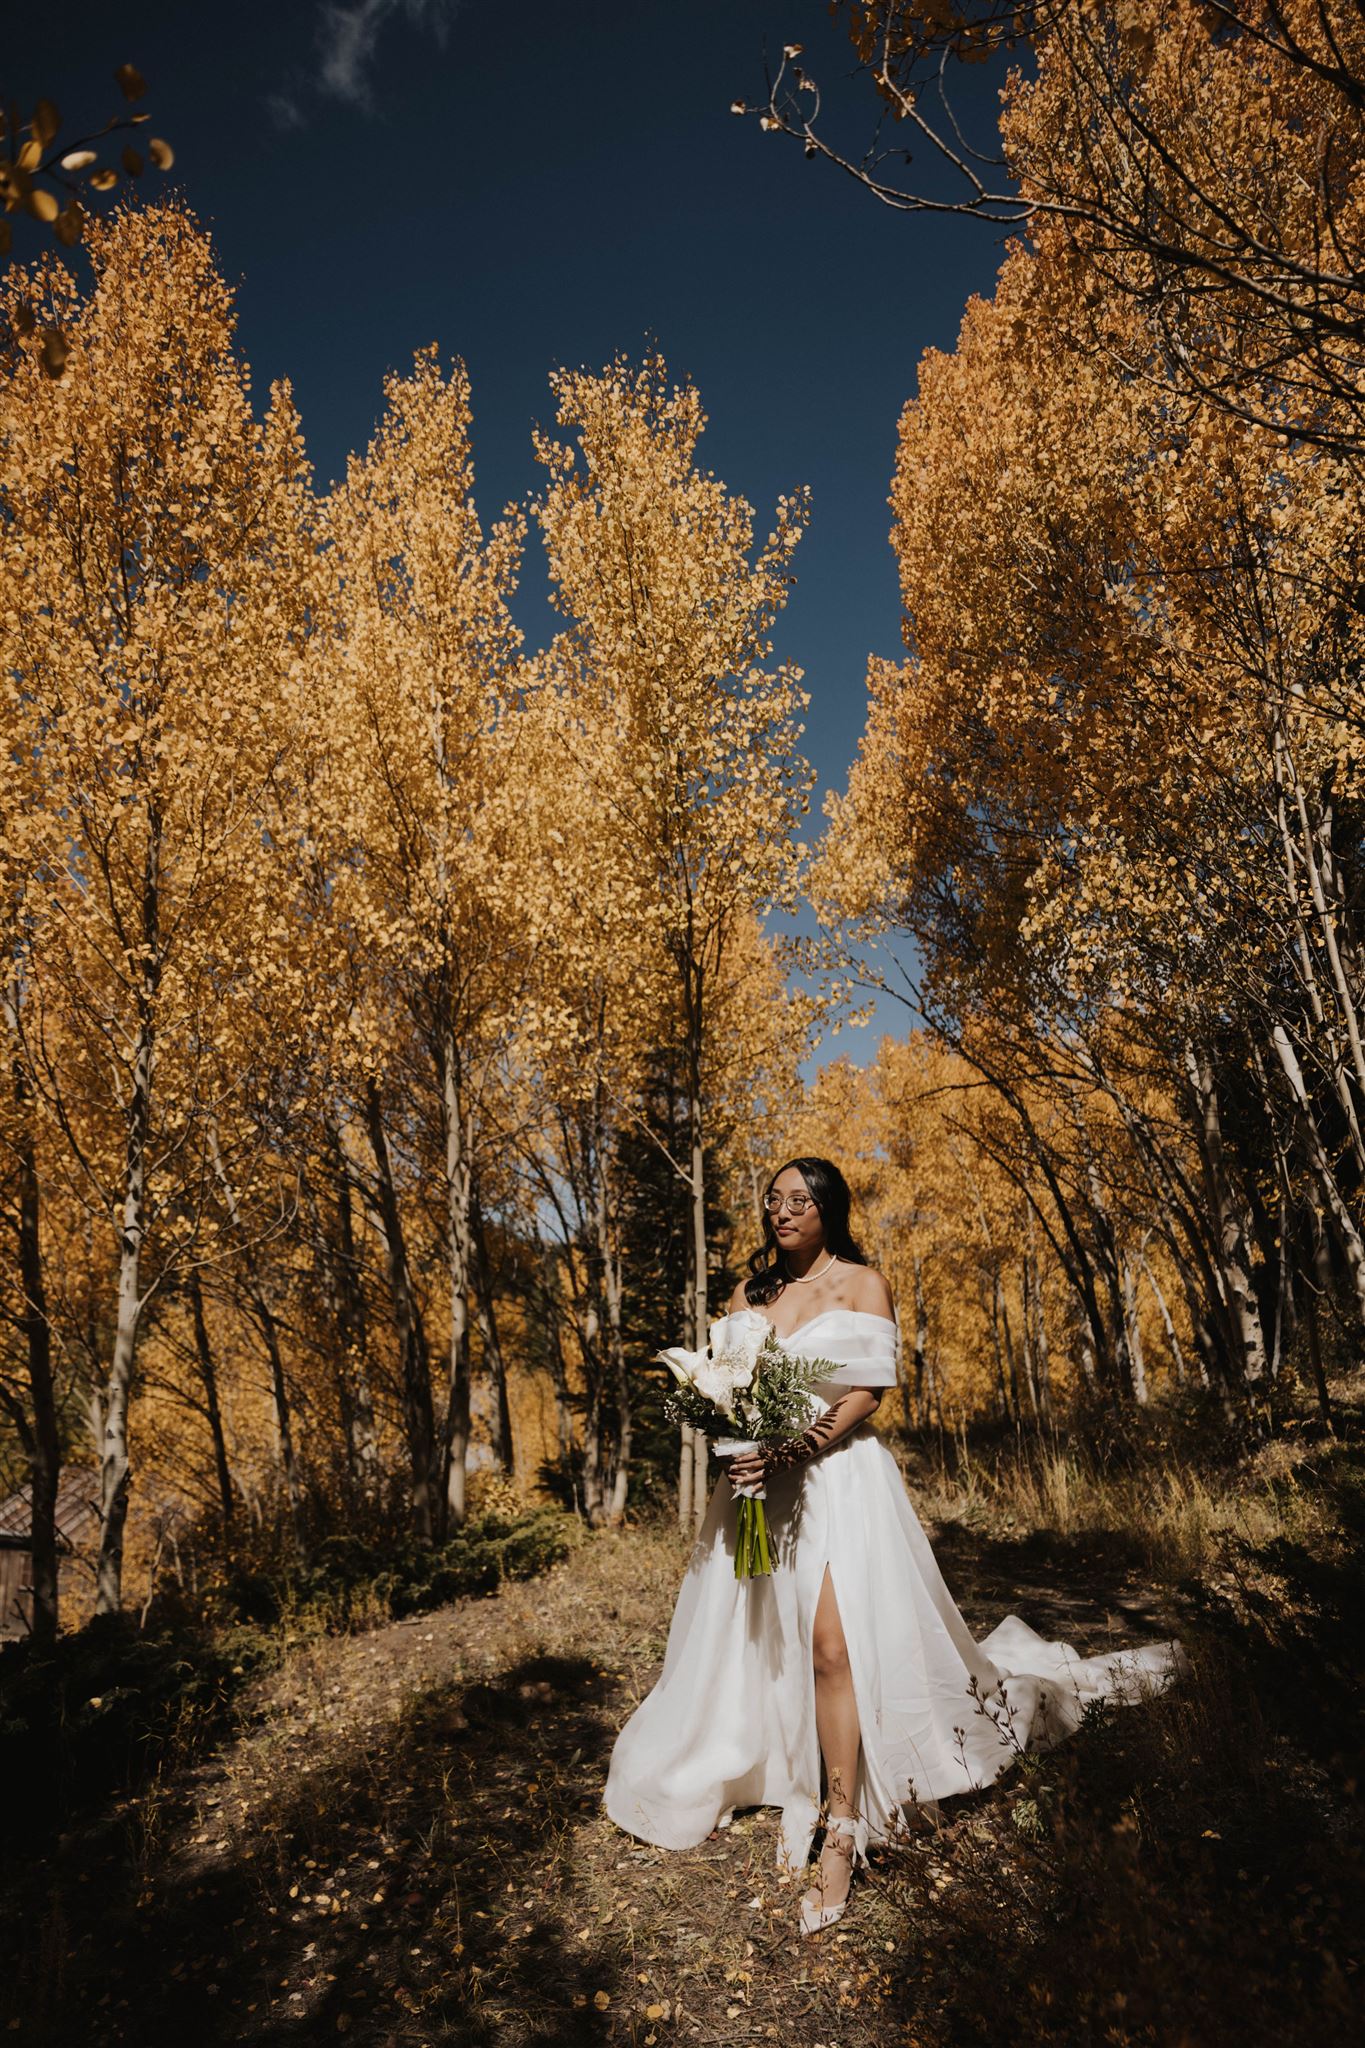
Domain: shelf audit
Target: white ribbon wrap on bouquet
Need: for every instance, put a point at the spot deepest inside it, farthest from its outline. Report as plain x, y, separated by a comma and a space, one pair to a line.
736, 1447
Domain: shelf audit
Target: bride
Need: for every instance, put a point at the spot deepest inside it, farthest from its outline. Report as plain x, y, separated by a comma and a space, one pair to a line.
853, 1653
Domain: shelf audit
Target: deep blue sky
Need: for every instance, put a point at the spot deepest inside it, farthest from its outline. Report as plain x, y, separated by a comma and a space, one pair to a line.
548, 184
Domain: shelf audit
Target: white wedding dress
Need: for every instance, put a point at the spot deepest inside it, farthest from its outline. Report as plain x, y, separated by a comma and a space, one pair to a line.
731, 1722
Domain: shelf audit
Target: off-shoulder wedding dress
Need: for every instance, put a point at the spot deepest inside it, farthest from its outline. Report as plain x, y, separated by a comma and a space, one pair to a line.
731, 1722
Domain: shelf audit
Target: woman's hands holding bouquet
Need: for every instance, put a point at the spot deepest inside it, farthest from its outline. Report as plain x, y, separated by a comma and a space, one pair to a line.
752, 1468
751, 1395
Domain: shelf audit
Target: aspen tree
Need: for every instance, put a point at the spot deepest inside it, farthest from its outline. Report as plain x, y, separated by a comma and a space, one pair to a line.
139, 627
431, 826
671, 615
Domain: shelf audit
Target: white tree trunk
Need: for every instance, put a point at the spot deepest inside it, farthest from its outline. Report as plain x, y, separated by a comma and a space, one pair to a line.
458, 1189
115, 1470
1315, 1152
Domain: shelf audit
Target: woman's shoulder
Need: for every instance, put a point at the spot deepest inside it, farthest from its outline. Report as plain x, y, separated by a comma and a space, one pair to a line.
869, 1293
737, 1300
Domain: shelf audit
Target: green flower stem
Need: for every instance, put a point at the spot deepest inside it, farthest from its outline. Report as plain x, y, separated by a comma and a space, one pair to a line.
753, 1555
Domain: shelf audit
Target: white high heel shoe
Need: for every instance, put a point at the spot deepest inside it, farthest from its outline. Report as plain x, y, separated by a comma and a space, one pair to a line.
815, 1918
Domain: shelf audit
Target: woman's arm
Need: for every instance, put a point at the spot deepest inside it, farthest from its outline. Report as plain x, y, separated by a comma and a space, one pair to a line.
848, 1411
839, 1421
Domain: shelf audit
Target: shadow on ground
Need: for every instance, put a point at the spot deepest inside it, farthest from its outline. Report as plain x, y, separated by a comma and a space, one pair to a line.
393, 1888
1186, 1871
1086, 1589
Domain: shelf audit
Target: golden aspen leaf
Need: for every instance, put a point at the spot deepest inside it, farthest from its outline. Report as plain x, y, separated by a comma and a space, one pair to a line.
46, 121
78, 160
30, 155
601, 1999
68, 226
130, 81
43, 206
133, 161
6, 237
56, 349
104, 180
161, 153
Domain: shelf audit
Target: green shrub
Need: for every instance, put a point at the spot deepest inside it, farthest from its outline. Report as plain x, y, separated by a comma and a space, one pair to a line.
99, 1711
355, 1579
103, 1709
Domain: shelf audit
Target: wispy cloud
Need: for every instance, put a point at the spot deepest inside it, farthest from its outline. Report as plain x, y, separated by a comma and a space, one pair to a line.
349, 32
284, 110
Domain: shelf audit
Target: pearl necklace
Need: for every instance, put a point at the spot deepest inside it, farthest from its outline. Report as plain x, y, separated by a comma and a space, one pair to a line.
799, 1280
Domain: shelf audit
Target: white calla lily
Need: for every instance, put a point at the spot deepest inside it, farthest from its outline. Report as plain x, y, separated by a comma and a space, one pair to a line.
684, 1365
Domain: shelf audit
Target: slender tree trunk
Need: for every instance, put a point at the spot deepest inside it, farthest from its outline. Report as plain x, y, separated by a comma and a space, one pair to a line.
1315, 1364
1317, 865
327, 1262
208, 1375
695, 1497
1007, 1345
1136, 1357
922, 1367
419, 1422
1285, 778
1193, 1247
1026, 1336
1320, 1166
1042, 1357
115, 1469
559, 1377
265, 1319
1117, 1353
500, 1418
700, 1327
1167, 1320
455, 1435
590, 1338
998, 1349
353, 1323
1035, 1320
43, 1438
620, 1485
1075, 1259
687, 1462
1239, 1294
614, 1355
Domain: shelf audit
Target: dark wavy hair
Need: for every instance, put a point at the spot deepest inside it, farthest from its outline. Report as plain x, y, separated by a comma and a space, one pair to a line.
830, 1194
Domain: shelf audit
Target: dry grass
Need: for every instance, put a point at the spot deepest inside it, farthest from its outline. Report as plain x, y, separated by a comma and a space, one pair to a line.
404, 1843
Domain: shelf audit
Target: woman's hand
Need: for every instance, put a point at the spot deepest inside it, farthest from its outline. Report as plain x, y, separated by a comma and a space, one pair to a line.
750, 1469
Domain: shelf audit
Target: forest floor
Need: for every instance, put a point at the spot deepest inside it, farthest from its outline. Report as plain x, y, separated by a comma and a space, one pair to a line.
402, 1841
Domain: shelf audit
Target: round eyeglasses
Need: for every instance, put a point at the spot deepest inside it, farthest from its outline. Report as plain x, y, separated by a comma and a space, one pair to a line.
798, 1204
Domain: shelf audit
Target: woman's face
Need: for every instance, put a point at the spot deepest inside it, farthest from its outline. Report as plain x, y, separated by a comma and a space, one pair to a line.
795, 1232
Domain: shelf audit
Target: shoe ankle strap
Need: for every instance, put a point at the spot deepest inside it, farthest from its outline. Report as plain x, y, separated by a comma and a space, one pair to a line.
841, 1824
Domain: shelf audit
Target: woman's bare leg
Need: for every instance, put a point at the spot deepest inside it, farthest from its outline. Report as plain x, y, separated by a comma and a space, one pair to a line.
836, 1722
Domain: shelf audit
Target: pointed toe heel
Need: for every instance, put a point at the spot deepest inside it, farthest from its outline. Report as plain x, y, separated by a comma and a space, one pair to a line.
815, 1919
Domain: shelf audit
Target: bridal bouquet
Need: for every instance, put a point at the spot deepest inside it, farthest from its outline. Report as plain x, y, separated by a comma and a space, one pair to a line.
748, 1393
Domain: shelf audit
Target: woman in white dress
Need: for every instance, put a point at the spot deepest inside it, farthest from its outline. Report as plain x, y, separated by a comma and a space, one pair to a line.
853, 1653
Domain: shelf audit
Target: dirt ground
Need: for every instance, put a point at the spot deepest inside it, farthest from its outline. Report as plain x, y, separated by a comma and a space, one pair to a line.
404, 1843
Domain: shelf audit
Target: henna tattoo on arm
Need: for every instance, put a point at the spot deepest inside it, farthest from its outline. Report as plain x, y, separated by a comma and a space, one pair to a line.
796, 1450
